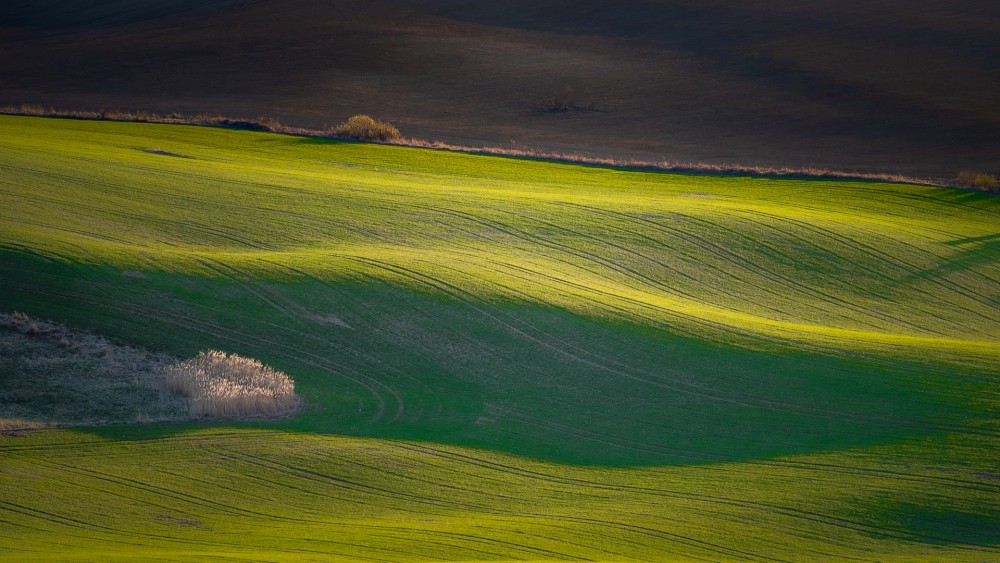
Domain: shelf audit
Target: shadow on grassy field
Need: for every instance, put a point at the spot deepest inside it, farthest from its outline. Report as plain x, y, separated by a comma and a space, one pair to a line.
374, 360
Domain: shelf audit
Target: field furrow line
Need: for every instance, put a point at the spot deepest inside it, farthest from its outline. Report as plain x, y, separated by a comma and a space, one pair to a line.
887, 258
742, 263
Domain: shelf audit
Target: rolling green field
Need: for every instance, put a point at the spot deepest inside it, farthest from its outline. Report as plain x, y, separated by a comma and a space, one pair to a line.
506, 359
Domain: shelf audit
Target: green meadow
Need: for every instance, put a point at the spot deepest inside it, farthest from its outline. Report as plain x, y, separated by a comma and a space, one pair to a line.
506, 359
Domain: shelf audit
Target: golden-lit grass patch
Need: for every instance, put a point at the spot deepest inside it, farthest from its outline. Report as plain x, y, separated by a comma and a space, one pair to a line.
229, 385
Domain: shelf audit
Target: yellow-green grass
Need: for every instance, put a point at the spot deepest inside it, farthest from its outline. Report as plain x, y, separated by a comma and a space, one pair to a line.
857, 265
815, 360
268, 495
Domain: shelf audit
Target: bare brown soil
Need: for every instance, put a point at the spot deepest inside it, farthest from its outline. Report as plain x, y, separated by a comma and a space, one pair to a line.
880, 86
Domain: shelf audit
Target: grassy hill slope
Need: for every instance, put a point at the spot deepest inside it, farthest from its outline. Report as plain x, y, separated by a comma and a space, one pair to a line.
536, 360
265, 495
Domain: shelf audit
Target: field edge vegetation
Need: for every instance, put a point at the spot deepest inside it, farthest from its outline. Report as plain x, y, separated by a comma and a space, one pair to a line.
382, 132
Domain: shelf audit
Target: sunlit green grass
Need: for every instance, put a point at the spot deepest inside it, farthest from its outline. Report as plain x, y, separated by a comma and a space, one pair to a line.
827, 263
276, 496
702, 367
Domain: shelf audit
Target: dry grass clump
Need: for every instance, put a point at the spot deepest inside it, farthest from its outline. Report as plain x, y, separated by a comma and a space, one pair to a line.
365, 128
51, 375
229, 385
670, 166
976, 180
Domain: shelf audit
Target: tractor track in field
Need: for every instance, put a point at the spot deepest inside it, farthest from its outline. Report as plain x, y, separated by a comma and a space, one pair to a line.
806, 515
740, 262
114, 535
688, 387
133, 484
895, 302
465, 297
427, 449
366, 382
883, 256
645, 530
699, 390
235, 336
64, 521
713, 249
166, 493
643, 280
328, 480
376, 328
486, 541
300, 474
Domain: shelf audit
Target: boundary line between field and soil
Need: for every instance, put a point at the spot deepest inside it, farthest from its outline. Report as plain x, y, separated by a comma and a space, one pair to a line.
270, 125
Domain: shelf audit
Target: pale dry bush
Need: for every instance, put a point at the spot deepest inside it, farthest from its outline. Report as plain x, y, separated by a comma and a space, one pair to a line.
229, 385
976, 180
365, 128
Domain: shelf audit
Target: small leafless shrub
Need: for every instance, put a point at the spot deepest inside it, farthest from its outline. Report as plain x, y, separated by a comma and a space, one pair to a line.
562, 102
976, 180
365, 128
228, 385
270, 123
567, 101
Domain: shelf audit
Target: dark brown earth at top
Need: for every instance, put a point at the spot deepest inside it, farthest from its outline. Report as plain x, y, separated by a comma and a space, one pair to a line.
908, 86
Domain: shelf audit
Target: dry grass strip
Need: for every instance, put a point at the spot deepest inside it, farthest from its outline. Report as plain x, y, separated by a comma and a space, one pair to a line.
378, 131
51, 375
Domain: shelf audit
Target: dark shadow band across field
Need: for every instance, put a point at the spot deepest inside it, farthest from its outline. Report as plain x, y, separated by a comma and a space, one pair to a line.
374, 360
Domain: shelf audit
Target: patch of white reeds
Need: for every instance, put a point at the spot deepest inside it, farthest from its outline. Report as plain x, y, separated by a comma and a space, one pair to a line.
221, 385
